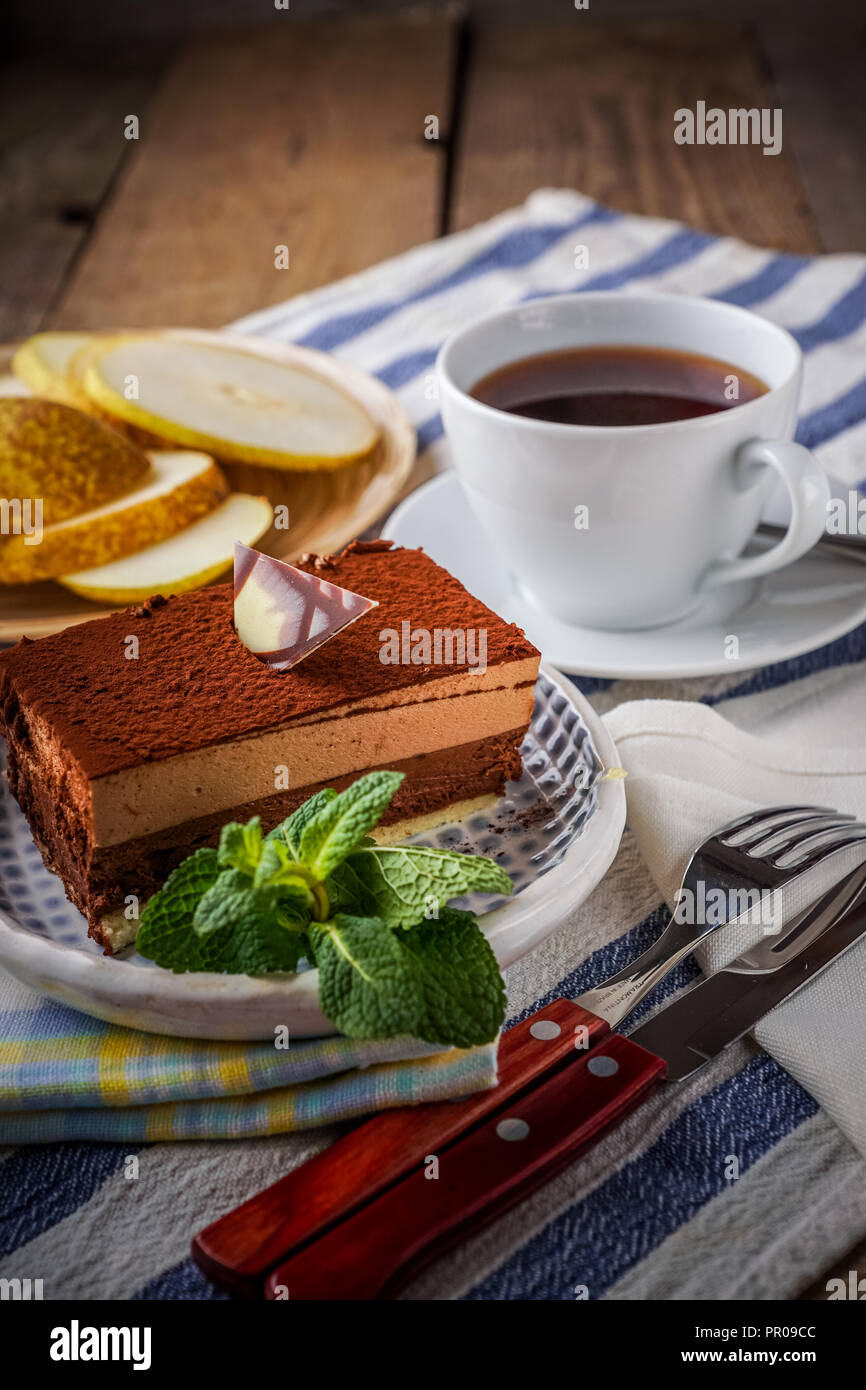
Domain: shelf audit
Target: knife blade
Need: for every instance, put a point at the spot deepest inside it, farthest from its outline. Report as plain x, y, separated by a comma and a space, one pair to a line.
375, 1251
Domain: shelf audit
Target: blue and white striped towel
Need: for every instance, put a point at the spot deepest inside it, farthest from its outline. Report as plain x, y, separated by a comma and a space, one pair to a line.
651, 1212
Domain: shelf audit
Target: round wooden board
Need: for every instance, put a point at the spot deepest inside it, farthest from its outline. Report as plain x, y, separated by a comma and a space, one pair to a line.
327, 507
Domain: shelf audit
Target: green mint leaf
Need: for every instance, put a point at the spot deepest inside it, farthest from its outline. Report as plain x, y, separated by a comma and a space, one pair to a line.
346, 892
368, 982
311, 949
277, 869
464, 997
438, 981
276, 863
165, 934
254, 940
205, 918
407, 884
240, 846
297, 884
336, 829
291, 830
210, 911
242, 930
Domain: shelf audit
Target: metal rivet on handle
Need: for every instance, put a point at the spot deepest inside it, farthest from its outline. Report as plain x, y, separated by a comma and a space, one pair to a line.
511, 1130
545, 1029
602, 1066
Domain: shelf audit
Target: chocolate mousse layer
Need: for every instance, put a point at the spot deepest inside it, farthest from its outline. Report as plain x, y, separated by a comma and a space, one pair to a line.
102, 885
132, 739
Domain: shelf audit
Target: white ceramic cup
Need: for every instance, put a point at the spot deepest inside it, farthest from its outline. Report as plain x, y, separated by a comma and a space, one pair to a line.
669, 507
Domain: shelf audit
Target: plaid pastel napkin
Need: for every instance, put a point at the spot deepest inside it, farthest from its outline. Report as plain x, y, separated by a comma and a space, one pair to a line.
66, 1076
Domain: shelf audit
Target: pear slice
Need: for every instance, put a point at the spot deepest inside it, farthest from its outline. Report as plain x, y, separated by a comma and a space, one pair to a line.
43, 363
228, 401
11, 386
180, 488
75, 370
68, 460
192, 558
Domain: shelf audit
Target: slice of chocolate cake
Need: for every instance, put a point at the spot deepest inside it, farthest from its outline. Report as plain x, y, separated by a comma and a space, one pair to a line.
134, 738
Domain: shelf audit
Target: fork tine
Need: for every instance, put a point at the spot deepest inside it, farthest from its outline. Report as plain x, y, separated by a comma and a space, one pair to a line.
724, 861
787, 837
855, 834
771, 819
764, 812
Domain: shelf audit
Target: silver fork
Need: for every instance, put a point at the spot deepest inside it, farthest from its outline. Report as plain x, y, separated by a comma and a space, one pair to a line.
761, 851
772, 952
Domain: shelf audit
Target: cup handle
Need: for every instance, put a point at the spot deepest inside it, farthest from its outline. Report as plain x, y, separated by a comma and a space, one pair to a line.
809, 490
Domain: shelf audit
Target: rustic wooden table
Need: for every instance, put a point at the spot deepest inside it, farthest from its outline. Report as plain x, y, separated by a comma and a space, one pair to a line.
312, 135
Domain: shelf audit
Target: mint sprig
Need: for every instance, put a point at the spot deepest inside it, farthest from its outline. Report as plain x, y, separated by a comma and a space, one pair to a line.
392, 957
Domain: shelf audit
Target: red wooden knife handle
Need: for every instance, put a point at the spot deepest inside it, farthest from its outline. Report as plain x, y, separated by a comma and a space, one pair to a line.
241, 1247
378, 1249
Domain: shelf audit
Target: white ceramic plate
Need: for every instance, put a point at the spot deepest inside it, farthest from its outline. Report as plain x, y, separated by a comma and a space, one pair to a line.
556, 832
813, 601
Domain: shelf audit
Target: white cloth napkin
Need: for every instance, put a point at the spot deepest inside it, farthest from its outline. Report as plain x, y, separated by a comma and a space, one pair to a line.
689, 771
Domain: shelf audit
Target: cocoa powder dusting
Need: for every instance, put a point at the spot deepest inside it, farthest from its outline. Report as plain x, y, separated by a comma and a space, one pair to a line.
195, 684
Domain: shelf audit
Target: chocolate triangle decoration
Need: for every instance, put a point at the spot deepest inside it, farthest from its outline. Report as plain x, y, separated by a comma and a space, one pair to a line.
282, 613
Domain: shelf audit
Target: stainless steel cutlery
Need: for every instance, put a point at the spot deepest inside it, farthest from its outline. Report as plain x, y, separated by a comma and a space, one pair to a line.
746, 856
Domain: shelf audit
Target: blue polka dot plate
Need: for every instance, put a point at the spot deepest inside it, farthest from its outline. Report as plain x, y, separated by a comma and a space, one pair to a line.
555, 831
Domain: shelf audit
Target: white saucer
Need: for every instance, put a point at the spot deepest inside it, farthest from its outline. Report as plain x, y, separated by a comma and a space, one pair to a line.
795, 610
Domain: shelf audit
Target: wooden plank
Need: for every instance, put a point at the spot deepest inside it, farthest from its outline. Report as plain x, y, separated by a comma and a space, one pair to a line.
309, 136
602, 120
61, 143
818, 71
